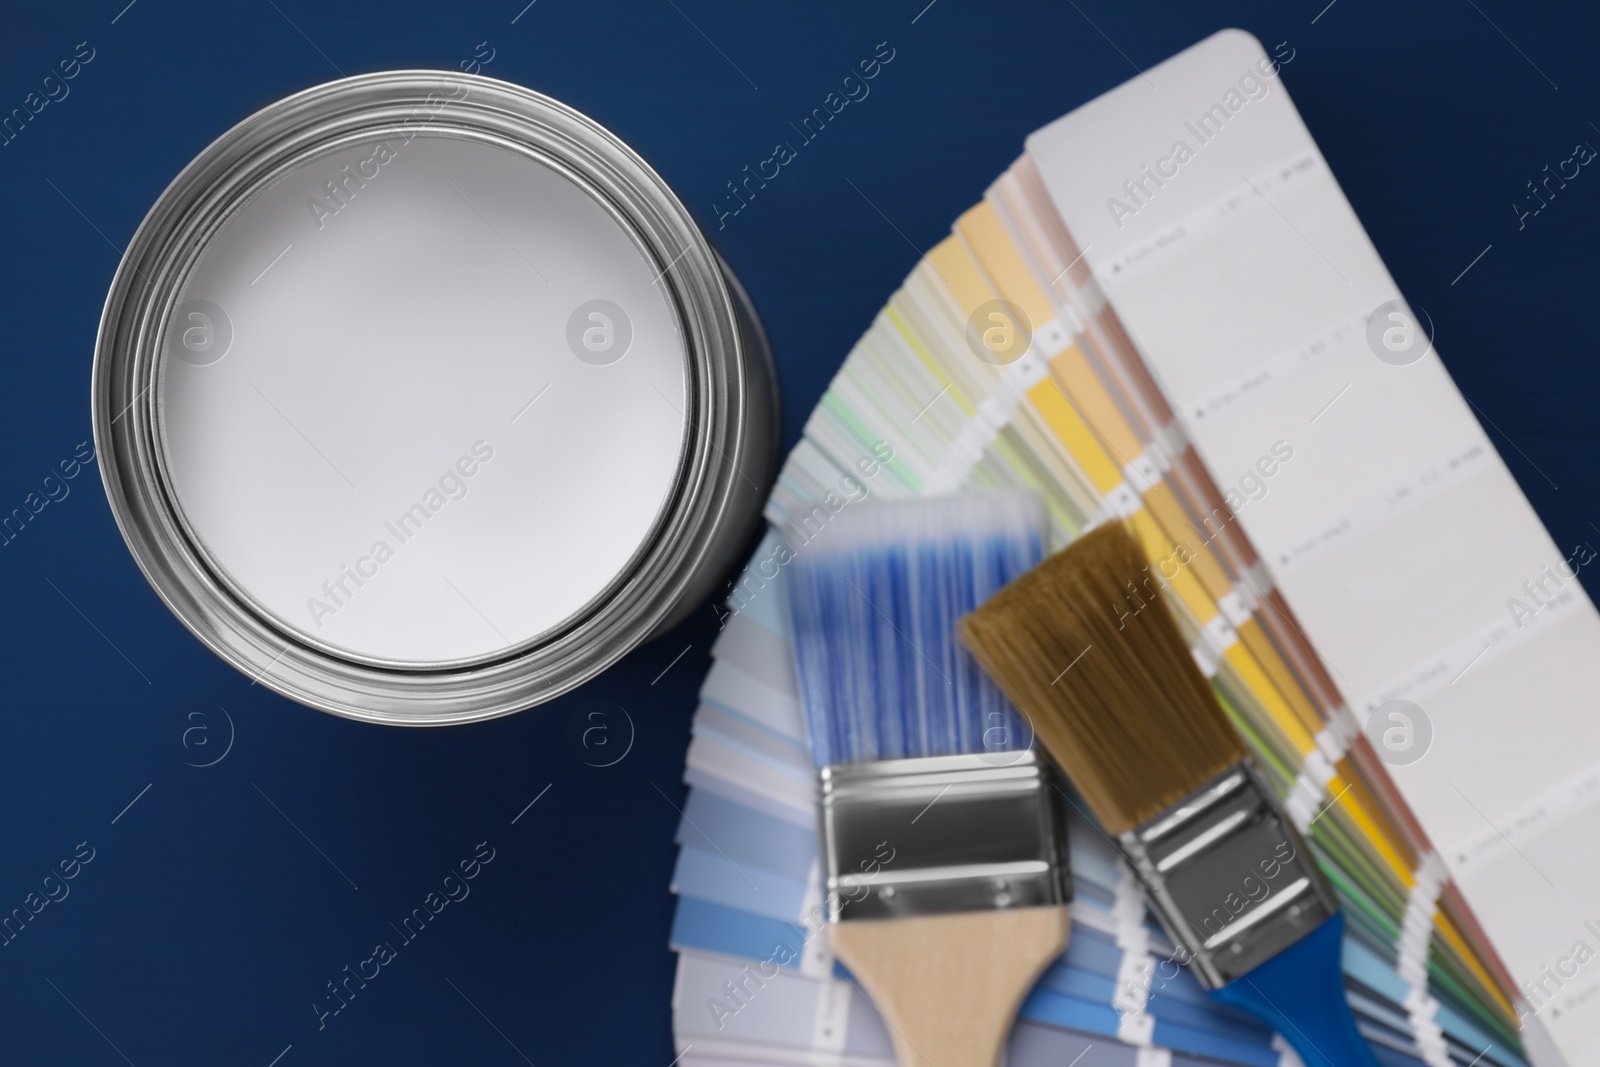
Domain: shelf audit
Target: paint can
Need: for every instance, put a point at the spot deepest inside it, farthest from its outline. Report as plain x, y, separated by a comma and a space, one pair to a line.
421, 399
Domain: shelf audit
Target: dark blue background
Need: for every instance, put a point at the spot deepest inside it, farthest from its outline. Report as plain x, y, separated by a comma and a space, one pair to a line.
207, 925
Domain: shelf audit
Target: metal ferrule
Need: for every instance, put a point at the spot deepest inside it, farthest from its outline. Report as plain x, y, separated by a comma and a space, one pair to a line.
941, 834
1229, 876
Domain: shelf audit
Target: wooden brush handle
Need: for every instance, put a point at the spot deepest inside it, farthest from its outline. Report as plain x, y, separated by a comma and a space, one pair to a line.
949, 986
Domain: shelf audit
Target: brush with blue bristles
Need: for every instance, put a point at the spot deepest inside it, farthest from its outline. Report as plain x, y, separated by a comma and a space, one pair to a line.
943, 851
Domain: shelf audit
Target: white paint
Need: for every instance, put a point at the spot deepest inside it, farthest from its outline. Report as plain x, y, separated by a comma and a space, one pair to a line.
392, 336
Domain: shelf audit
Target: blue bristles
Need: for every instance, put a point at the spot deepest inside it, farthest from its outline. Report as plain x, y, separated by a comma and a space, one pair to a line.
875, 600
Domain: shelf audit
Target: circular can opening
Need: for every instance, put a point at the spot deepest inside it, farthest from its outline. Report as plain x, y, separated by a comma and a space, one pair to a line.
421, 399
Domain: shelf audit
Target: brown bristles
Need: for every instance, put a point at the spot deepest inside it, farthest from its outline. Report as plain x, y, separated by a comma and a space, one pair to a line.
1085, 647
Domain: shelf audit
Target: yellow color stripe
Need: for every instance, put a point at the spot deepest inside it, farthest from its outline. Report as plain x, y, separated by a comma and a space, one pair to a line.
961, 273
1357, 813
1075, 435
1163, 501
1255, 638
1083, 384
1158, 548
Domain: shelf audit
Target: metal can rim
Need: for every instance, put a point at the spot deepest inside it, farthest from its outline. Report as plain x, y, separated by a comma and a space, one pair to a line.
124, 400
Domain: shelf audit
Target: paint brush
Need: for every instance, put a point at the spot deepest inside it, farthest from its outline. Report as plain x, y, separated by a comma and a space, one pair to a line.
943, 849
1085, 647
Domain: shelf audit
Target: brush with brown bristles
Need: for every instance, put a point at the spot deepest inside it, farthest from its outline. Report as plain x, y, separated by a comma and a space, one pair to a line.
1083, 645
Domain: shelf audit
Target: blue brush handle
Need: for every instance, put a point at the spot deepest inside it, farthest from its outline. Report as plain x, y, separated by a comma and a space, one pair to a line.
1300, 994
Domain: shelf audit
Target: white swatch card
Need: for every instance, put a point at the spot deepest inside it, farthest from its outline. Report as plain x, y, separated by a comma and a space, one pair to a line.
1410, 557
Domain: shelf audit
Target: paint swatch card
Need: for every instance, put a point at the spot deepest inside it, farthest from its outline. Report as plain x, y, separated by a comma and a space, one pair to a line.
1096, 360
